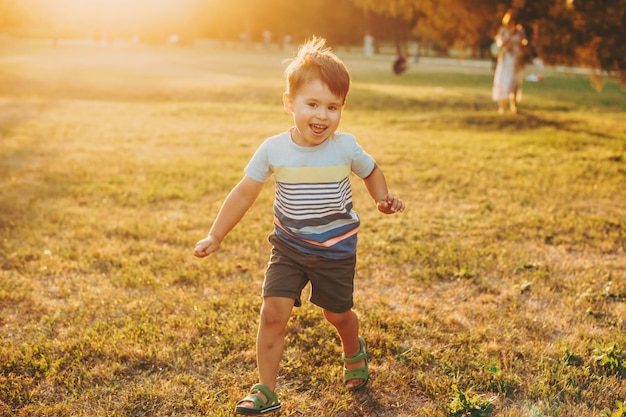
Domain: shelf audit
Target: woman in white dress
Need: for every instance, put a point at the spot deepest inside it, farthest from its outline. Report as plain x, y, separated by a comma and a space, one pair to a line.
507, 82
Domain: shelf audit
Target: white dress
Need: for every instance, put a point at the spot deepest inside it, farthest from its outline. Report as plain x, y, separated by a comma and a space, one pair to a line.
508, 77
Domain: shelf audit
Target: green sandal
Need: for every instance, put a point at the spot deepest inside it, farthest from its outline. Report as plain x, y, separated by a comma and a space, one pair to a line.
358, 373
260, 406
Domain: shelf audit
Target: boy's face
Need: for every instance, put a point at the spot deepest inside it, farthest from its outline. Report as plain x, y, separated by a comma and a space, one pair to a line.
316, 113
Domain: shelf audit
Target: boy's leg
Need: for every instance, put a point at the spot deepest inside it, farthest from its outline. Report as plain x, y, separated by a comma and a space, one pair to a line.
275, 313
347, 325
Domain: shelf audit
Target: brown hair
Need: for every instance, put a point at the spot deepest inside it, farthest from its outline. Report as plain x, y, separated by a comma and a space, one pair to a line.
509, 17
315, 61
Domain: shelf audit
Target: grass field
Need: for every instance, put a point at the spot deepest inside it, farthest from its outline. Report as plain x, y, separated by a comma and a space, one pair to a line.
500, 291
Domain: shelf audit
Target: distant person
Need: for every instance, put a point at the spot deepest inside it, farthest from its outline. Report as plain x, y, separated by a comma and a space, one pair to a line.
267, 39
507, 83
315, 227
287, 42
400, 65
368, 45
244, 37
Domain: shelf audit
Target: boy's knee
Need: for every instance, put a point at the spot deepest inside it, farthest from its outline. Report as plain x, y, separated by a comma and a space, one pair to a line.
272, 319
338, 319
274, 314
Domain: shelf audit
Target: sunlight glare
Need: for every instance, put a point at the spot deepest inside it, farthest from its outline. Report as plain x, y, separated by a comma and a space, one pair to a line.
118, 16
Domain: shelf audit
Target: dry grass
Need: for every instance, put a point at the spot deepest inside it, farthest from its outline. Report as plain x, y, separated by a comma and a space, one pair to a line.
502, 275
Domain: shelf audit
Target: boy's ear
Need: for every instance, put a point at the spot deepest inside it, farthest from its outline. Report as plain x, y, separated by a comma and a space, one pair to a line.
287, 103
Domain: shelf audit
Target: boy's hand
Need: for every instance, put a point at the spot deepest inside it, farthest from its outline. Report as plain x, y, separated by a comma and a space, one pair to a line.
390, 205
206, 246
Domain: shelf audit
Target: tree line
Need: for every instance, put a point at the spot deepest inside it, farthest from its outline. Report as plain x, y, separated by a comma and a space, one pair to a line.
586, 33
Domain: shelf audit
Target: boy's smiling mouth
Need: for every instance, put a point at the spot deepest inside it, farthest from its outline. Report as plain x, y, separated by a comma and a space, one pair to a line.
318, 129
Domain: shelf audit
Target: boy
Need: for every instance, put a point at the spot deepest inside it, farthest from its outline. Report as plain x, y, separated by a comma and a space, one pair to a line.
315, 229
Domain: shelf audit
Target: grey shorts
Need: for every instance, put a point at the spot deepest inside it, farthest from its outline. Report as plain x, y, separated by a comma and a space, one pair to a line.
288, 271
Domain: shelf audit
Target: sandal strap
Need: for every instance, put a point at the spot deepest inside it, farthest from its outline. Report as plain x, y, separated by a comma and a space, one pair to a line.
253, 398
359, 373
260, 405
362, 373
271, 396
359, 356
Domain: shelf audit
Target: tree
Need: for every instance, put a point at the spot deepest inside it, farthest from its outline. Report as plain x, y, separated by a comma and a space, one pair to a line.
587, 33
590, 33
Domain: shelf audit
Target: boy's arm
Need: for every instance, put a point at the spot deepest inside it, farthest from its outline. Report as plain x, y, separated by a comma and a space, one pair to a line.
236, 204
377, 187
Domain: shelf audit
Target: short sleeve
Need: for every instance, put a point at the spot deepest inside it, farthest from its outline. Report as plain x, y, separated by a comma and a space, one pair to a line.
362, 163
258, 167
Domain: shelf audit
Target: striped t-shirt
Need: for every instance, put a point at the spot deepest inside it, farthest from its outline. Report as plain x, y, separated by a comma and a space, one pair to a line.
313, 203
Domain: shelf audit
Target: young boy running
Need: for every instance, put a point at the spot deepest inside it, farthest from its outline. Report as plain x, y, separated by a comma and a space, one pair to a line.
315, 229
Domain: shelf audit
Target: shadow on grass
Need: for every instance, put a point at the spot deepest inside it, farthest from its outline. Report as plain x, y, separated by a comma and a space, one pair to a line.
472, 113
369, 402
20, 191
526, 120
365, 402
